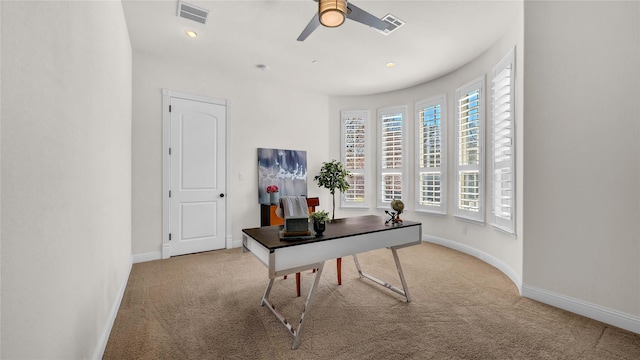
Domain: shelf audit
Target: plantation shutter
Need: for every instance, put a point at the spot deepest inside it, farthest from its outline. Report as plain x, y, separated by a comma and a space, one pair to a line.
391, 155
469, 137
355, 145
502, 133
431, 161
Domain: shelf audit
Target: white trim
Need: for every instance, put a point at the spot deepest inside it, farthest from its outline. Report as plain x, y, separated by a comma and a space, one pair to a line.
104, 338
166, 251
487, 258
236, 243
229, 180
600, 313
139, 258
187, 96
166, 119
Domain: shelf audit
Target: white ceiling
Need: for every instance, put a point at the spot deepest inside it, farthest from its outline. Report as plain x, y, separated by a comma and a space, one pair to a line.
438, 37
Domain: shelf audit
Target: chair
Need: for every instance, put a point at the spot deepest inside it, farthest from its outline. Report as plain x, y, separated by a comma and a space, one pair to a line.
311, 204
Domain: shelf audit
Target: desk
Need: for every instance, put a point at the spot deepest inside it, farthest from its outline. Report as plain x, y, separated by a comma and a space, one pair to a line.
342, 237
268, 217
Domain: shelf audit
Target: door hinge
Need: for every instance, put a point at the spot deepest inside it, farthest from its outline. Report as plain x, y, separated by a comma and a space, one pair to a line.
169, 236
169, 193
169, 108
169, 151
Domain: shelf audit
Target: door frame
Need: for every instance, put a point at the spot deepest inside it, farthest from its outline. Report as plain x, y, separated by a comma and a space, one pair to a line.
166, 164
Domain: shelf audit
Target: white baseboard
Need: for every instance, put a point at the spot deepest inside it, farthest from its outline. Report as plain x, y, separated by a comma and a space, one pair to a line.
102, 343
166, 251
230, 243
489, 259
138, 258
600, 313
159, 255
580, 307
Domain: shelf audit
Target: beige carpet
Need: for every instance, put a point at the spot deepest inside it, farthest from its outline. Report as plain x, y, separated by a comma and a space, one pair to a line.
207, 306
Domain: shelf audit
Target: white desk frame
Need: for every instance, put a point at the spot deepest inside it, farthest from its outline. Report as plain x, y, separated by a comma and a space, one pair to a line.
306, 256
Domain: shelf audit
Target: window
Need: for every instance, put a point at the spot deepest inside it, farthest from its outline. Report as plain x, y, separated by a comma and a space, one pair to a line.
469, 151
431, 148
355, 153
391, 148
502, 137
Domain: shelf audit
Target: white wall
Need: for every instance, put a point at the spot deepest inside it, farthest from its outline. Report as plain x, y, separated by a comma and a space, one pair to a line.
0, 186
582, 154
263, 115
66, 176
493, 246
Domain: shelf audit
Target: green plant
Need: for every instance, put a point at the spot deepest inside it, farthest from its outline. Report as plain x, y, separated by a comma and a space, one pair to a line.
333, 176
319, 216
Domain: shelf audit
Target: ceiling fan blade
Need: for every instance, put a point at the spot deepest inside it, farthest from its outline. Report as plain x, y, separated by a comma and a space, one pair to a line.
313, 24
356, 14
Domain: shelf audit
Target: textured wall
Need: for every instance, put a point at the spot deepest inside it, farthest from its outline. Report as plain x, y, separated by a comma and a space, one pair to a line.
66, 175
582, 155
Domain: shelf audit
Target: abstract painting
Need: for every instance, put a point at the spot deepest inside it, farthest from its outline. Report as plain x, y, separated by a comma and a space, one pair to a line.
286, 169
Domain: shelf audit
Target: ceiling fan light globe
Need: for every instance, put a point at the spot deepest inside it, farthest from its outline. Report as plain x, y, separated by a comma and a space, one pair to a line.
332, 18
332, 12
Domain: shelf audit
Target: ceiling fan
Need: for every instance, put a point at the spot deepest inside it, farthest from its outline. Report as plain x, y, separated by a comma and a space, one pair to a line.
332, 13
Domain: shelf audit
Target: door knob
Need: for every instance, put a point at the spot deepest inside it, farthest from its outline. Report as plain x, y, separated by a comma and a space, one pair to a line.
221, 195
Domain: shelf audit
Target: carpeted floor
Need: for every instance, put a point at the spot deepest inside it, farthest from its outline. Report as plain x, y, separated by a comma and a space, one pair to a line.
207, 306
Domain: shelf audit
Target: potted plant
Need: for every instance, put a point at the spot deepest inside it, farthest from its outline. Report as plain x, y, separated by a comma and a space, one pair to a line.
333, 176
319, 219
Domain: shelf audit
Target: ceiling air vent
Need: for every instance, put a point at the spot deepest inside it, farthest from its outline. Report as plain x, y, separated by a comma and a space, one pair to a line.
393, 24
192, 12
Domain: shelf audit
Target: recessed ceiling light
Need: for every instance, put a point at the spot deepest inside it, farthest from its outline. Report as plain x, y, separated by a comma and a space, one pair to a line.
262, 67
390, 64
191, 33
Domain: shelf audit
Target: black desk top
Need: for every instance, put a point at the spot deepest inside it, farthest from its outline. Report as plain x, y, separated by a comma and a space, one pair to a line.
269, 236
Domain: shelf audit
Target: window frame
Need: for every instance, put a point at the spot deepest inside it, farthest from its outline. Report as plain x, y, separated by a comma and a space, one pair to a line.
496, 220
441, 101
381, 203
461, 92
346, 115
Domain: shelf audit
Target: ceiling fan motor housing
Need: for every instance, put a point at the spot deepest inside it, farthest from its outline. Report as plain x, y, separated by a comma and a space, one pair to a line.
332, 12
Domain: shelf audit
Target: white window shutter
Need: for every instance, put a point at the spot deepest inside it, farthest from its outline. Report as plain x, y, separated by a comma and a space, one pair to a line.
469, 151
503, 149
391, 148
355, 157
431, 161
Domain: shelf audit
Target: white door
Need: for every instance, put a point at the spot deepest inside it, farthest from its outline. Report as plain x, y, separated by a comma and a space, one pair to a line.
197, 176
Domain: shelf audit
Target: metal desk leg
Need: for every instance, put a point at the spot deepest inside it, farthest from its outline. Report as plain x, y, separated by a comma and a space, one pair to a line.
399, 268
297, 333
265, 297
404, 292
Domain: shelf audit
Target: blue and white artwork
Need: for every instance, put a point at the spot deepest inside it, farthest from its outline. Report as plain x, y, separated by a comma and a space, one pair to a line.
286, 169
